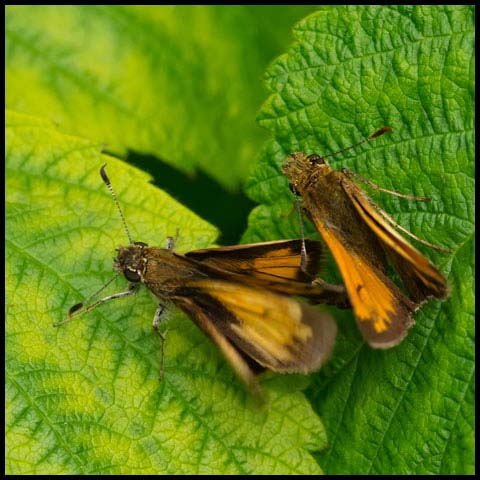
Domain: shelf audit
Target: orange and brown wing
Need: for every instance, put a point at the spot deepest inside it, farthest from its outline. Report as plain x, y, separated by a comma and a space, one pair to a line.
278, 260
382, 311
420, 277
239, 362
273, 266
275, 331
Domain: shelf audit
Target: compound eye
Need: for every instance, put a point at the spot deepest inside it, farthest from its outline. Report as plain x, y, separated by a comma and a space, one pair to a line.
316, 159
132, 276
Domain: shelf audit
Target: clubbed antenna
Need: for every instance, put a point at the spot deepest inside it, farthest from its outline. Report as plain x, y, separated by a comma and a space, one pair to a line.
375, 134
78, 309
106, 180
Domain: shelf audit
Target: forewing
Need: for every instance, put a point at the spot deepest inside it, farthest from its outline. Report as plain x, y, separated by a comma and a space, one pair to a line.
420, 277
382, 310
278, 260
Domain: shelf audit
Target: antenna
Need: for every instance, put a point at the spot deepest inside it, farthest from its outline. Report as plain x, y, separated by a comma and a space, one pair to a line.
85, 306
375, 134
106, 180
77, 309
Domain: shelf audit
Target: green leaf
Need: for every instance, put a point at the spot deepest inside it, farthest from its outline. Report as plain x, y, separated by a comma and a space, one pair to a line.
181, 83
408, 410
85, 398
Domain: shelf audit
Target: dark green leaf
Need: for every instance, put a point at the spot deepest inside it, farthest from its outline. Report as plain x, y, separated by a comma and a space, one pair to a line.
352, 70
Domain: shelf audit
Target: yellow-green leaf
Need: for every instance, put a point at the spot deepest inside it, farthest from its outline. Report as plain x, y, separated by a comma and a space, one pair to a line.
84, 398
352, 70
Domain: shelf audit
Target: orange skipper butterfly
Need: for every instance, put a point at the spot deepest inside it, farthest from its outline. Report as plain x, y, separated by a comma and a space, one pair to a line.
361, 237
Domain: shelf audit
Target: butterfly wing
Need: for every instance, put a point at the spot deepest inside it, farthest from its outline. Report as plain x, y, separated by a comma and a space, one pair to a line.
275, 331
382, 311
279, 260
420, 277
239, 362
273, 266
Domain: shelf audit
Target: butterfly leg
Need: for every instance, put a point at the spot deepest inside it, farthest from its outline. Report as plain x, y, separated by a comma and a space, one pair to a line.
303, 250
171, 242
78, 309
332, 294
157, 320
350, 174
